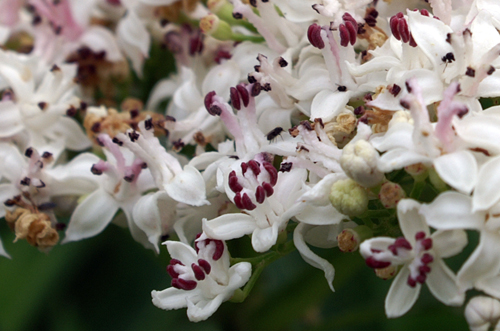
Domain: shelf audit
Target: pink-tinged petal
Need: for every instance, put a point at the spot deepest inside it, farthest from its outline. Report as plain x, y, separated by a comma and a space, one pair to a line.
401, 296
490, 286
172, 298
452, 210
399, 158
229, 226
181, 252
72, 134
91, 216
483, 263
328, 104
459, 170
188, 187
201, 309
154, 214
442, 284
410, 221
264, 239
12, 122
309, 256
449, 243
487, 193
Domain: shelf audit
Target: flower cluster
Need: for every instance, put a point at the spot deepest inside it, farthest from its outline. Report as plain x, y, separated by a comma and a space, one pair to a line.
363, 125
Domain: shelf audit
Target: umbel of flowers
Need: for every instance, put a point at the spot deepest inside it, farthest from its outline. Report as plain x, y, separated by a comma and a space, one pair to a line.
363, 125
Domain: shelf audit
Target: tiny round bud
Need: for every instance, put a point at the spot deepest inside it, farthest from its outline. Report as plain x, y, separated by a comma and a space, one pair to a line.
416, 170
349, 239
215, 27
359, 161
348, 197
387, 272
390, 194
482, 313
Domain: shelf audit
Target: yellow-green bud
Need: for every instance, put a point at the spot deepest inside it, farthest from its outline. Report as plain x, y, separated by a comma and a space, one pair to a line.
215, 27
348, 197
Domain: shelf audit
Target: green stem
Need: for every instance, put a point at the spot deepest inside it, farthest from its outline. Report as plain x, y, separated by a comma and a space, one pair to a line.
417, 189
242, 37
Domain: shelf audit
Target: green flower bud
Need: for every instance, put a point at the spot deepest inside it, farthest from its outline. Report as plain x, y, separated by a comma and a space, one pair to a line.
348, 197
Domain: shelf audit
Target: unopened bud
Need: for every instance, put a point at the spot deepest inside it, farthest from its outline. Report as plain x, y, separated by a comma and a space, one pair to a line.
390, 194
387, 272
349, 239
482, 313
359, 161
348, 197
417, 170
215, 27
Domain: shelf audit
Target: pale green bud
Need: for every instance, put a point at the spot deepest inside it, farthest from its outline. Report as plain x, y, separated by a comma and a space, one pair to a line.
348, 197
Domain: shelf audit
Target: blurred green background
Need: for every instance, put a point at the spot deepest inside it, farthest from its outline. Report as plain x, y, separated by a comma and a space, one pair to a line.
104, 283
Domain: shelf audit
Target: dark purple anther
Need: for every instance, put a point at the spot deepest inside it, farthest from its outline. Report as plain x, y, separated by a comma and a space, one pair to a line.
148, 124
427, 243
208, 100
421, 278
273, 173
182, 284
254, 166
205, 265
260, 194
268, 188
198, 272
245, 96
344, 35
171, 271
235, 98
28, 152
314, 36
219, 249
244, 167
375, 264
424, 12
234, 184
256, 88
424, 269
427, 258
420, 235
196, 45
237, 201
247, 202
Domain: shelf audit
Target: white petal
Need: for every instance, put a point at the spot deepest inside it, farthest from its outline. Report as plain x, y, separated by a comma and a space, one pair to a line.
442, 284
309, 256
220, 78
483, 263
7, 191
459, 170
320, 215
490, 286
133, 39
451, 210
12, 122
182, 252
410, 220
202, 309
100, 39
480, 131
188, 187
171, 298
91, 216
449, 243
487, 193
327, 104
70, 131
2, 251
154, 214
229, 226
264, 239
399, 158
401, 296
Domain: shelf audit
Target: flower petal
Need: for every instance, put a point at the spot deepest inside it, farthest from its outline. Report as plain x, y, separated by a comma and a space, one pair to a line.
488, 181
188, 187
91, 216
229, 226
410, 220
459, 170
449, 243
401, 296
442, 284
309, 256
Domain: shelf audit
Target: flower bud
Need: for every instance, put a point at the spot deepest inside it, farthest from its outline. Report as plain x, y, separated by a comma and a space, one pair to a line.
349, 239
359, 161
215, 27
387, 272
390, 194
482, 313
348, 197
417, 170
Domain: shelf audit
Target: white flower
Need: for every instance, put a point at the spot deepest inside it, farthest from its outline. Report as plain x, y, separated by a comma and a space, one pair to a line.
482, 313
421, 256
202, 278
